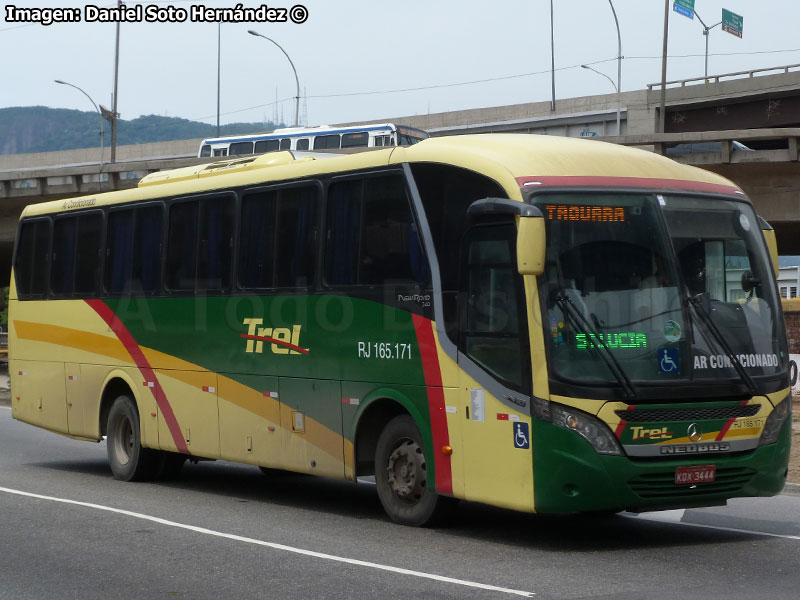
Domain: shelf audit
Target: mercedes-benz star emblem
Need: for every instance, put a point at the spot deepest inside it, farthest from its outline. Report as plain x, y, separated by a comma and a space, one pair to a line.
694, 433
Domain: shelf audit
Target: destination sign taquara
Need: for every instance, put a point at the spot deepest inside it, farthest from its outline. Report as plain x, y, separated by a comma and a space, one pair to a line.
565, 212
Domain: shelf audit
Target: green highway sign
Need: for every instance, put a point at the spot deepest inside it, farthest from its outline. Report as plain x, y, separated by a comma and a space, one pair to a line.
684, 7
732, 23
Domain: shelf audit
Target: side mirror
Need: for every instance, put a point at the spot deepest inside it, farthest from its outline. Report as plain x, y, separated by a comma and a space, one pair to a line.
530, 246
531, 243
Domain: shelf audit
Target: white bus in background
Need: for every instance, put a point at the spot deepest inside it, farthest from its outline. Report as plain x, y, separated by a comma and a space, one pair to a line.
323, 137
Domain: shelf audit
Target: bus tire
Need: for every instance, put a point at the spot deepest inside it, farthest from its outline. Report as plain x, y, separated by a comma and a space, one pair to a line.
128, 459
401, 476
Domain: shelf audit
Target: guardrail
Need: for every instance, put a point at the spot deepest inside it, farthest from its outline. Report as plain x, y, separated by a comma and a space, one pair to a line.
659, 142
717, 78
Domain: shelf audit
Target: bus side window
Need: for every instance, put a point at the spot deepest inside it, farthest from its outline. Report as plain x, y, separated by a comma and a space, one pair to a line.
33, 252
215, 244
372, 237
494, 331
199, 244
205, 151
221, 152
87, 254
133, 250
238, 148
76, 254
446, 193
277, 241
286, 144
355, 140
302, 144
182, 245
326, 142
267, 146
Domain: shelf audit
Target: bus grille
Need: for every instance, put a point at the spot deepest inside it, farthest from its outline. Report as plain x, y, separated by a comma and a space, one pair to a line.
648, 415
662, 485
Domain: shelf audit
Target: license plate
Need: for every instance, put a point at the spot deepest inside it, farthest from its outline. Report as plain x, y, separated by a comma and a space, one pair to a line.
689, 475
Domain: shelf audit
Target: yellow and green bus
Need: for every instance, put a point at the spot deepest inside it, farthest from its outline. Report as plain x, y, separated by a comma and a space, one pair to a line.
543, 324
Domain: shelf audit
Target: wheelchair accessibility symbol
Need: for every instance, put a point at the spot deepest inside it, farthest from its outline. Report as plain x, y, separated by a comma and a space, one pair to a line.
668, 360
521, 435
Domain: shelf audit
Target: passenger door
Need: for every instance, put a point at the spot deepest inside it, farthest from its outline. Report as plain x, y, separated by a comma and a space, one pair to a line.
494, 370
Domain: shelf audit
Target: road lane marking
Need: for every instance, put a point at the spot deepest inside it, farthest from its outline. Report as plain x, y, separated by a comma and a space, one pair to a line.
239, 538
670, 517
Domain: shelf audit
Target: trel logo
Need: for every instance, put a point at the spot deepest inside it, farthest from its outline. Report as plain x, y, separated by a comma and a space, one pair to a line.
282, 340
659, 433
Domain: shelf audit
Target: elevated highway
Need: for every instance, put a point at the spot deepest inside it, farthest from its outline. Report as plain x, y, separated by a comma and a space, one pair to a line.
757, 109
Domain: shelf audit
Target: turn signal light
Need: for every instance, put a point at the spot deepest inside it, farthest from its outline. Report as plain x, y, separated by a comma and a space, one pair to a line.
447, 450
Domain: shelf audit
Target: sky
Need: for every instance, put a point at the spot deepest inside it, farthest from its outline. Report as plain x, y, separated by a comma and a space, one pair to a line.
373, 59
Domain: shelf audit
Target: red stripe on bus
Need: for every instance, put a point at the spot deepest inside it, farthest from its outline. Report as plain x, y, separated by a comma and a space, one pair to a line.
623, 423
638, 182
433, 385
144, 367
725, 429
274, 341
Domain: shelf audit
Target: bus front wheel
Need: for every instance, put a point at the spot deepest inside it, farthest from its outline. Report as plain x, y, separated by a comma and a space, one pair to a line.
128, 459
402, 479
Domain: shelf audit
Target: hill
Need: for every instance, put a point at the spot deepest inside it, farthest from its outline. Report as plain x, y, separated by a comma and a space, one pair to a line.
41, 129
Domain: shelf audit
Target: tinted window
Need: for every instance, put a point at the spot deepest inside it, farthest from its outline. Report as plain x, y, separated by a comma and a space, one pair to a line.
33, 249
182, 246
146, 275
87, 253
133, 250
446, 194
371, 235
354, 140
214, 249
277, 242
302, 144
63, 259
267, 146
286, 144
119, 244
205, 150
240, 148
326, 142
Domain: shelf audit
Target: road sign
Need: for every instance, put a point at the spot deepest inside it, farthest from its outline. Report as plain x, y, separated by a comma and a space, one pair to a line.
684, 7
732, 23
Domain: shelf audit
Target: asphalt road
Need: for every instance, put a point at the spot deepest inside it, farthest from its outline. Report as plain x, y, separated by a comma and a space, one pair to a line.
68, 530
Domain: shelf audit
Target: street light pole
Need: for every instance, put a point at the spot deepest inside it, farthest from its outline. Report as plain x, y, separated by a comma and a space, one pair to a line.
297, 80
706, 31
114, 113
99, 114
619, 68
662, 114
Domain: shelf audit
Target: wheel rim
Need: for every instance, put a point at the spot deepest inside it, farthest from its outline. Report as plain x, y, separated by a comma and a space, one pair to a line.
123, 440
406, 470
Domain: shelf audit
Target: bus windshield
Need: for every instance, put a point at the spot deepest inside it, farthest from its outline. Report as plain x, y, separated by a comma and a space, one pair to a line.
662, 288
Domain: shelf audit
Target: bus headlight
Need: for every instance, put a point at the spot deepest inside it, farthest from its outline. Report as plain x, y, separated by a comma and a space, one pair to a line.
775, 421
592, 429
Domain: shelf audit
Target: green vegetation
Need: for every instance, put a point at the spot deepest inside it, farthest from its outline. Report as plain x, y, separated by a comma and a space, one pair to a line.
41, 129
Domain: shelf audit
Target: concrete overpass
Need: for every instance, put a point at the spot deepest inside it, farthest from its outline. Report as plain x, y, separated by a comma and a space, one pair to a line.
760, 109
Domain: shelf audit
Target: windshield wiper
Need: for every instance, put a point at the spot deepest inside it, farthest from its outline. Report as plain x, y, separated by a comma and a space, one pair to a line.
696, 303
568, 308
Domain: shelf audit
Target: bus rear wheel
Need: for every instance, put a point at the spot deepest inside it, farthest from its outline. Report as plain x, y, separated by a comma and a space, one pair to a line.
401, 476
128, 459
